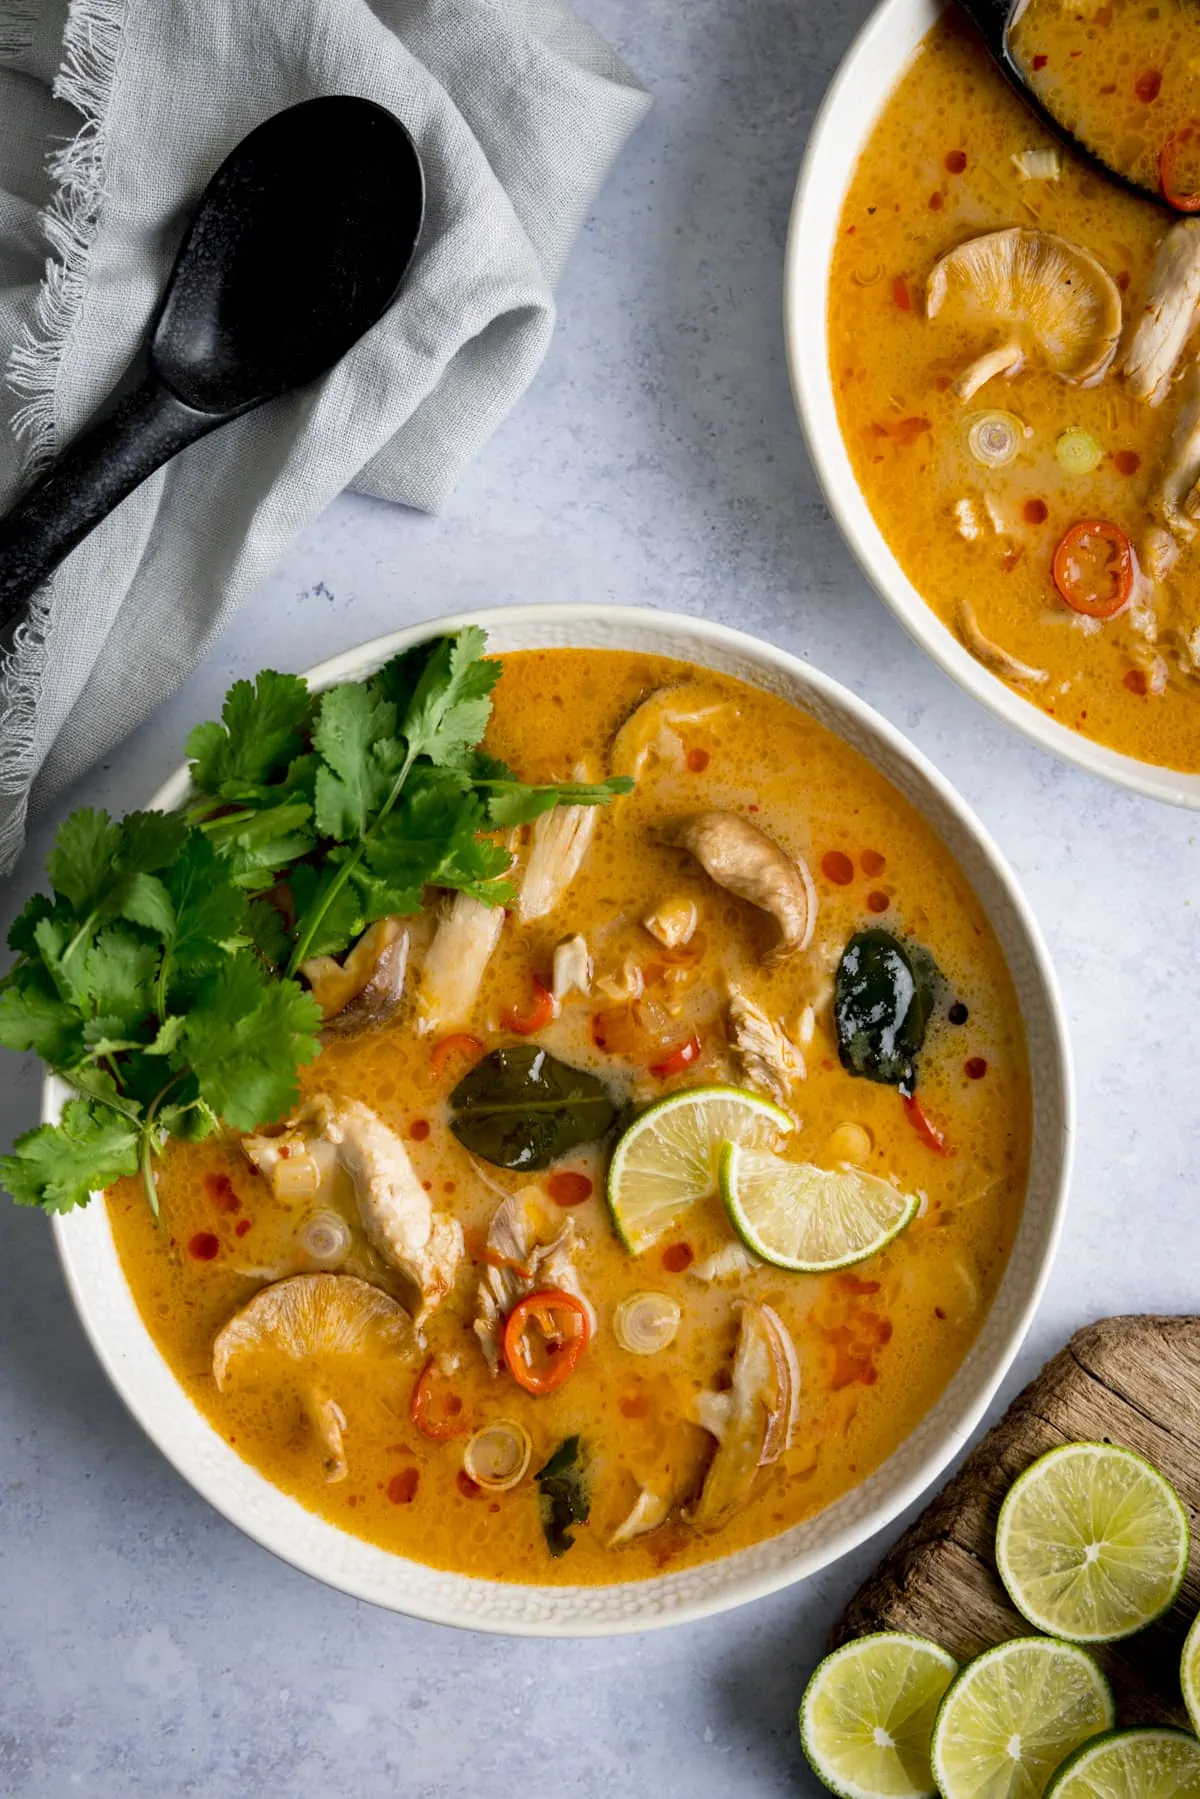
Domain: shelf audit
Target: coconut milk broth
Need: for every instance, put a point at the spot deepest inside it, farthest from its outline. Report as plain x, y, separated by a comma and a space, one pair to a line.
876, 1345
938, 170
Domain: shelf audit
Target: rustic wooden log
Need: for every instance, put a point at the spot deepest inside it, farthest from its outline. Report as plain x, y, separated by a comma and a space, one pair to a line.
1133, 1381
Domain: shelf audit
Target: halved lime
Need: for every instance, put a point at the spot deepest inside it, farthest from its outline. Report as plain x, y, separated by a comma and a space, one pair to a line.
1092, 1543
668, 1157
1014, 1715
1154, 1762
1189, 1675
796, 1215
867, 1714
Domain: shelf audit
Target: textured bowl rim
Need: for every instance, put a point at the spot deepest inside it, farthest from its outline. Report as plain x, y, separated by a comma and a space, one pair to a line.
160, 1405
865, 80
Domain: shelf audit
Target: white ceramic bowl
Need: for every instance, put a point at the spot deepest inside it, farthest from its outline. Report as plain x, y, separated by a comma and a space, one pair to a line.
874, 64
152, 1394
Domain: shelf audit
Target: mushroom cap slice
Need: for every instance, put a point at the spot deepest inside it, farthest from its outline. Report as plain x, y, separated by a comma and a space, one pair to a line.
310, 1316
753, 1422
1038, 295
744, 860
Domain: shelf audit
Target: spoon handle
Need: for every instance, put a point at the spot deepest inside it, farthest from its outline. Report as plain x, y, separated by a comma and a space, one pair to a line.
94, 473
991, 20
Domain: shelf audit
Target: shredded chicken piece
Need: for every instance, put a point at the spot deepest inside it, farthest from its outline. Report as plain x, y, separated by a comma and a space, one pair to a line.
572, 968
753, 1422
673, 922
744, 860
768, 1056
649, 1511
992, 655
629, 984
462, 947
966, 520
526, 1249
423, 1246
561, 839
1158, 553
730, 1262
1172, 303
1177, 501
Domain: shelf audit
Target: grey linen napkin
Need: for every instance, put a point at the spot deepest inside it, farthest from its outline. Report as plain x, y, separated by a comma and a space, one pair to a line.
113, 114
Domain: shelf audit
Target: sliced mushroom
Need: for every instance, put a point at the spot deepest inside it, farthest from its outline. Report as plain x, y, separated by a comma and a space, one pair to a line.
992, 655
768, 1057
366, 988
423, 1246
1177, 499
572, 968
753, 1422
744, 860
526, 1249
312, 1318
560, 841
649, 1511
1041, 297
462, 947
1169, 314
654, 726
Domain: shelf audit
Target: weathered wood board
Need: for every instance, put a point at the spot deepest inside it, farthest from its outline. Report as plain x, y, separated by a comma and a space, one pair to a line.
1133, 1381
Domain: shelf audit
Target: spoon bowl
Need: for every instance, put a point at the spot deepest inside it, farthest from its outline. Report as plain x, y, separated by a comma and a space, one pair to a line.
299, 245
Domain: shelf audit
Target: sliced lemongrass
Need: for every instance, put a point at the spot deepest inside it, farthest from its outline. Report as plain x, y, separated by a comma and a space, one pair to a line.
645, 1323
497, 1456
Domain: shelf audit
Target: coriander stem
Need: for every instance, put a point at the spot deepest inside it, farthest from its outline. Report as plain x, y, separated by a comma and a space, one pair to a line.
300, 952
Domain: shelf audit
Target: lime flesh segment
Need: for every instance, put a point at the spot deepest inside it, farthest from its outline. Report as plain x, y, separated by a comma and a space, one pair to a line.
809, 1219
1151, 1763
1014, 1715
668, 1158
1092, 1543
1189, 1675
867, 1714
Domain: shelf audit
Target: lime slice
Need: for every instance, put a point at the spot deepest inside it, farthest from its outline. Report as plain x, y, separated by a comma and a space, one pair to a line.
668, 1157
1152, 1763
1092, 1543
1189, 1675
809, 1219
1014, 1715
867, 1714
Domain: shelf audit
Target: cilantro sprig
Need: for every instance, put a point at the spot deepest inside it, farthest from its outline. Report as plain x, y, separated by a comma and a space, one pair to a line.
159, 976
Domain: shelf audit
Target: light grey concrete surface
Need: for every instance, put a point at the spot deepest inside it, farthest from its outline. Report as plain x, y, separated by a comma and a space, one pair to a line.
146, 1648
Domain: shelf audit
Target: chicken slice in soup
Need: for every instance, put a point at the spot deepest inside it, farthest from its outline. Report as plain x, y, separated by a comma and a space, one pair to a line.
407, 1304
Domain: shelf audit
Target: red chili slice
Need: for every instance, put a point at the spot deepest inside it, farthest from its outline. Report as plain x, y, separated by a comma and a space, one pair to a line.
448, 1423
562, 1322
525, 1024
1167, 158
926, 1130
460, 1044
678, 1060
1080, 571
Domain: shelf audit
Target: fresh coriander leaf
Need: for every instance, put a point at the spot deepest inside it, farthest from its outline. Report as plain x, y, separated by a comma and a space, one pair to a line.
335, 912
512, 803
352, 724
58, 1167
52, 937
268, 933
430, 839
208, 908
117, 974
263, 728
21, 939
192, 1122
263, 844
109, 871
34, 1017
451, 707
245, 1036
80, 864
399, 679
149, 841
143, 900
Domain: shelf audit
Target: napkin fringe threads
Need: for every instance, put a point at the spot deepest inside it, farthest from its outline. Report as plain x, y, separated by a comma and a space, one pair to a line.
85, 79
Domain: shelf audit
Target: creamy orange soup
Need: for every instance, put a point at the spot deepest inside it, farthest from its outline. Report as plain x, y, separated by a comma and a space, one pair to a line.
1046, 511
875, 1345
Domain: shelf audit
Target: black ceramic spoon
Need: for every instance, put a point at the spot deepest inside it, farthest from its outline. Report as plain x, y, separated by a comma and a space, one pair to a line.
993, 20
299, 244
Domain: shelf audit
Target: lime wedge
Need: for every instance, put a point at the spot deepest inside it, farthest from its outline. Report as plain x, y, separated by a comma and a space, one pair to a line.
867, 1714
1189, 1675
1092, 1543
668, 1157
1151, 1763
809, 1219
1013, 1716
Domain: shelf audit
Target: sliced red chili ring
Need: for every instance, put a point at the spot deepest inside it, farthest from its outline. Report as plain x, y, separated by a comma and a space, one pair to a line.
563, 1324
538, 1016
1078, 571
